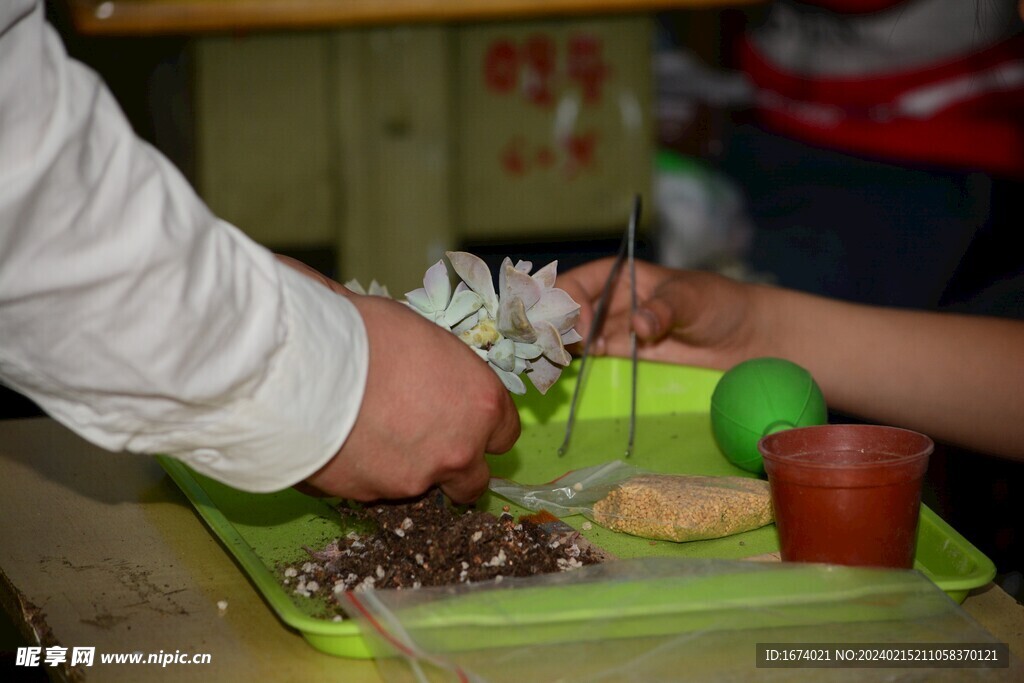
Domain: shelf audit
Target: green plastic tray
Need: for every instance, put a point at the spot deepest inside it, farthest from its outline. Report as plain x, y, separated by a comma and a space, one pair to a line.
673, 434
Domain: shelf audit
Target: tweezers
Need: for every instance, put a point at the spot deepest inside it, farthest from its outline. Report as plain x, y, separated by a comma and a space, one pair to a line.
625, 254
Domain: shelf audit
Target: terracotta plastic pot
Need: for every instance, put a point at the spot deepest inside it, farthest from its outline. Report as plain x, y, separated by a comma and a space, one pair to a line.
847, 494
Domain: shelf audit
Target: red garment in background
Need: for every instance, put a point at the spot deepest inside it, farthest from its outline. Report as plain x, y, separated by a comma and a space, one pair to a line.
920, 81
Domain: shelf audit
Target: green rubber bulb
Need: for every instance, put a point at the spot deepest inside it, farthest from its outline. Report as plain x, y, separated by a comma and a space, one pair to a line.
759, 397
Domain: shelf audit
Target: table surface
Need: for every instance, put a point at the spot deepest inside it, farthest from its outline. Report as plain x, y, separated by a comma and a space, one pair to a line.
103, 550
147, 17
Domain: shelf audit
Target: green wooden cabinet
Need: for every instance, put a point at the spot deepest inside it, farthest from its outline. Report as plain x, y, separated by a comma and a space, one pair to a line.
394, 144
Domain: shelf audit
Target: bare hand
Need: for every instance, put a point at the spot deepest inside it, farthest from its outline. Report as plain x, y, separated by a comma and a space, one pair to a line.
884, 365
430, 411
690, 317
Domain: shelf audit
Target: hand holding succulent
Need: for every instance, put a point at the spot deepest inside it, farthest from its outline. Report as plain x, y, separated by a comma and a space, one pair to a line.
523, 327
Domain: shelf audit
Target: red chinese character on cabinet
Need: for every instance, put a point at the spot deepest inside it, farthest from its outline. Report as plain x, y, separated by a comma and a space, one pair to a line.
513, 160
580, 148
539, 55
587, 67
501, 66
540, 68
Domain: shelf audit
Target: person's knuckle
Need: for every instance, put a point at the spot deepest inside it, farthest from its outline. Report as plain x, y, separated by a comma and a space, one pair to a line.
491, 405
412, 486
460, 457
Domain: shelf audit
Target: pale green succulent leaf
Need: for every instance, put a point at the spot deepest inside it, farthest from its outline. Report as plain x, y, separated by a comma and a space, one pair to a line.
510, 380
503, 355
467, 323
377, 289
419, 300
528, 351
354, 286
463, 304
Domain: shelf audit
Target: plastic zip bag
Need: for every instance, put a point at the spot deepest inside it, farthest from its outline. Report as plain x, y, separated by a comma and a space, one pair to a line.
660, 620
669, 507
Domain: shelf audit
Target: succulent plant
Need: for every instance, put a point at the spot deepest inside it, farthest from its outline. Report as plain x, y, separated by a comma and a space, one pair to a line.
376, 289
522, 327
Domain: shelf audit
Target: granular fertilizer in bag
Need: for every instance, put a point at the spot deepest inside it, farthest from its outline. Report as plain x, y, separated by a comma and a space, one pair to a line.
684, 507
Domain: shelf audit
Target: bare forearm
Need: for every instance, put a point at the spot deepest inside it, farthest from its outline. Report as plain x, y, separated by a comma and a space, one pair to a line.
957, 378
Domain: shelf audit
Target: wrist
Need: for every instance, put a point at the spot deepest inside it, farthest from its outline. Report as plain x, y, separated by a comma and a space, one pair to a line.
764, 322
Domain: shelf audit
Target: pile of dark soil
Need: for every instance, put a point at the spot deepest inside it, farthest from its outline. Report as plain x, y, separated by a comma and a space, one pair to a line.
429, 542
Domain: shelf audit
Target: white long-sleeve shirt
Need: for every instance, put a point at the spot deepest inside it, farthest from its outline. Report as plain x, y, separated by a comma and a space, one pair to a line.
133, 315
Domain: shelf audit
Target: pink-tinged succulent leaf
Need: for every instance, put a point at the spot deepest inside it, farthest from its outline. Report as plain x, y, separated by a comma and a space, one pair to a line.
571, 337
519, 285
503, 355
463, 305
556, 307
546, 276
510, 380
524, 266
505, 263
420, 302
477, 276
438, 286
513, 321
551, 342
543, 373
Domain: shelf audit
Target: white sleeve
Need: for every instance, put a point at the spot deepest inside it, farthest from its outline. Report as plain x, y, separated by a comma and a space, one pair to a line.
135, 317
